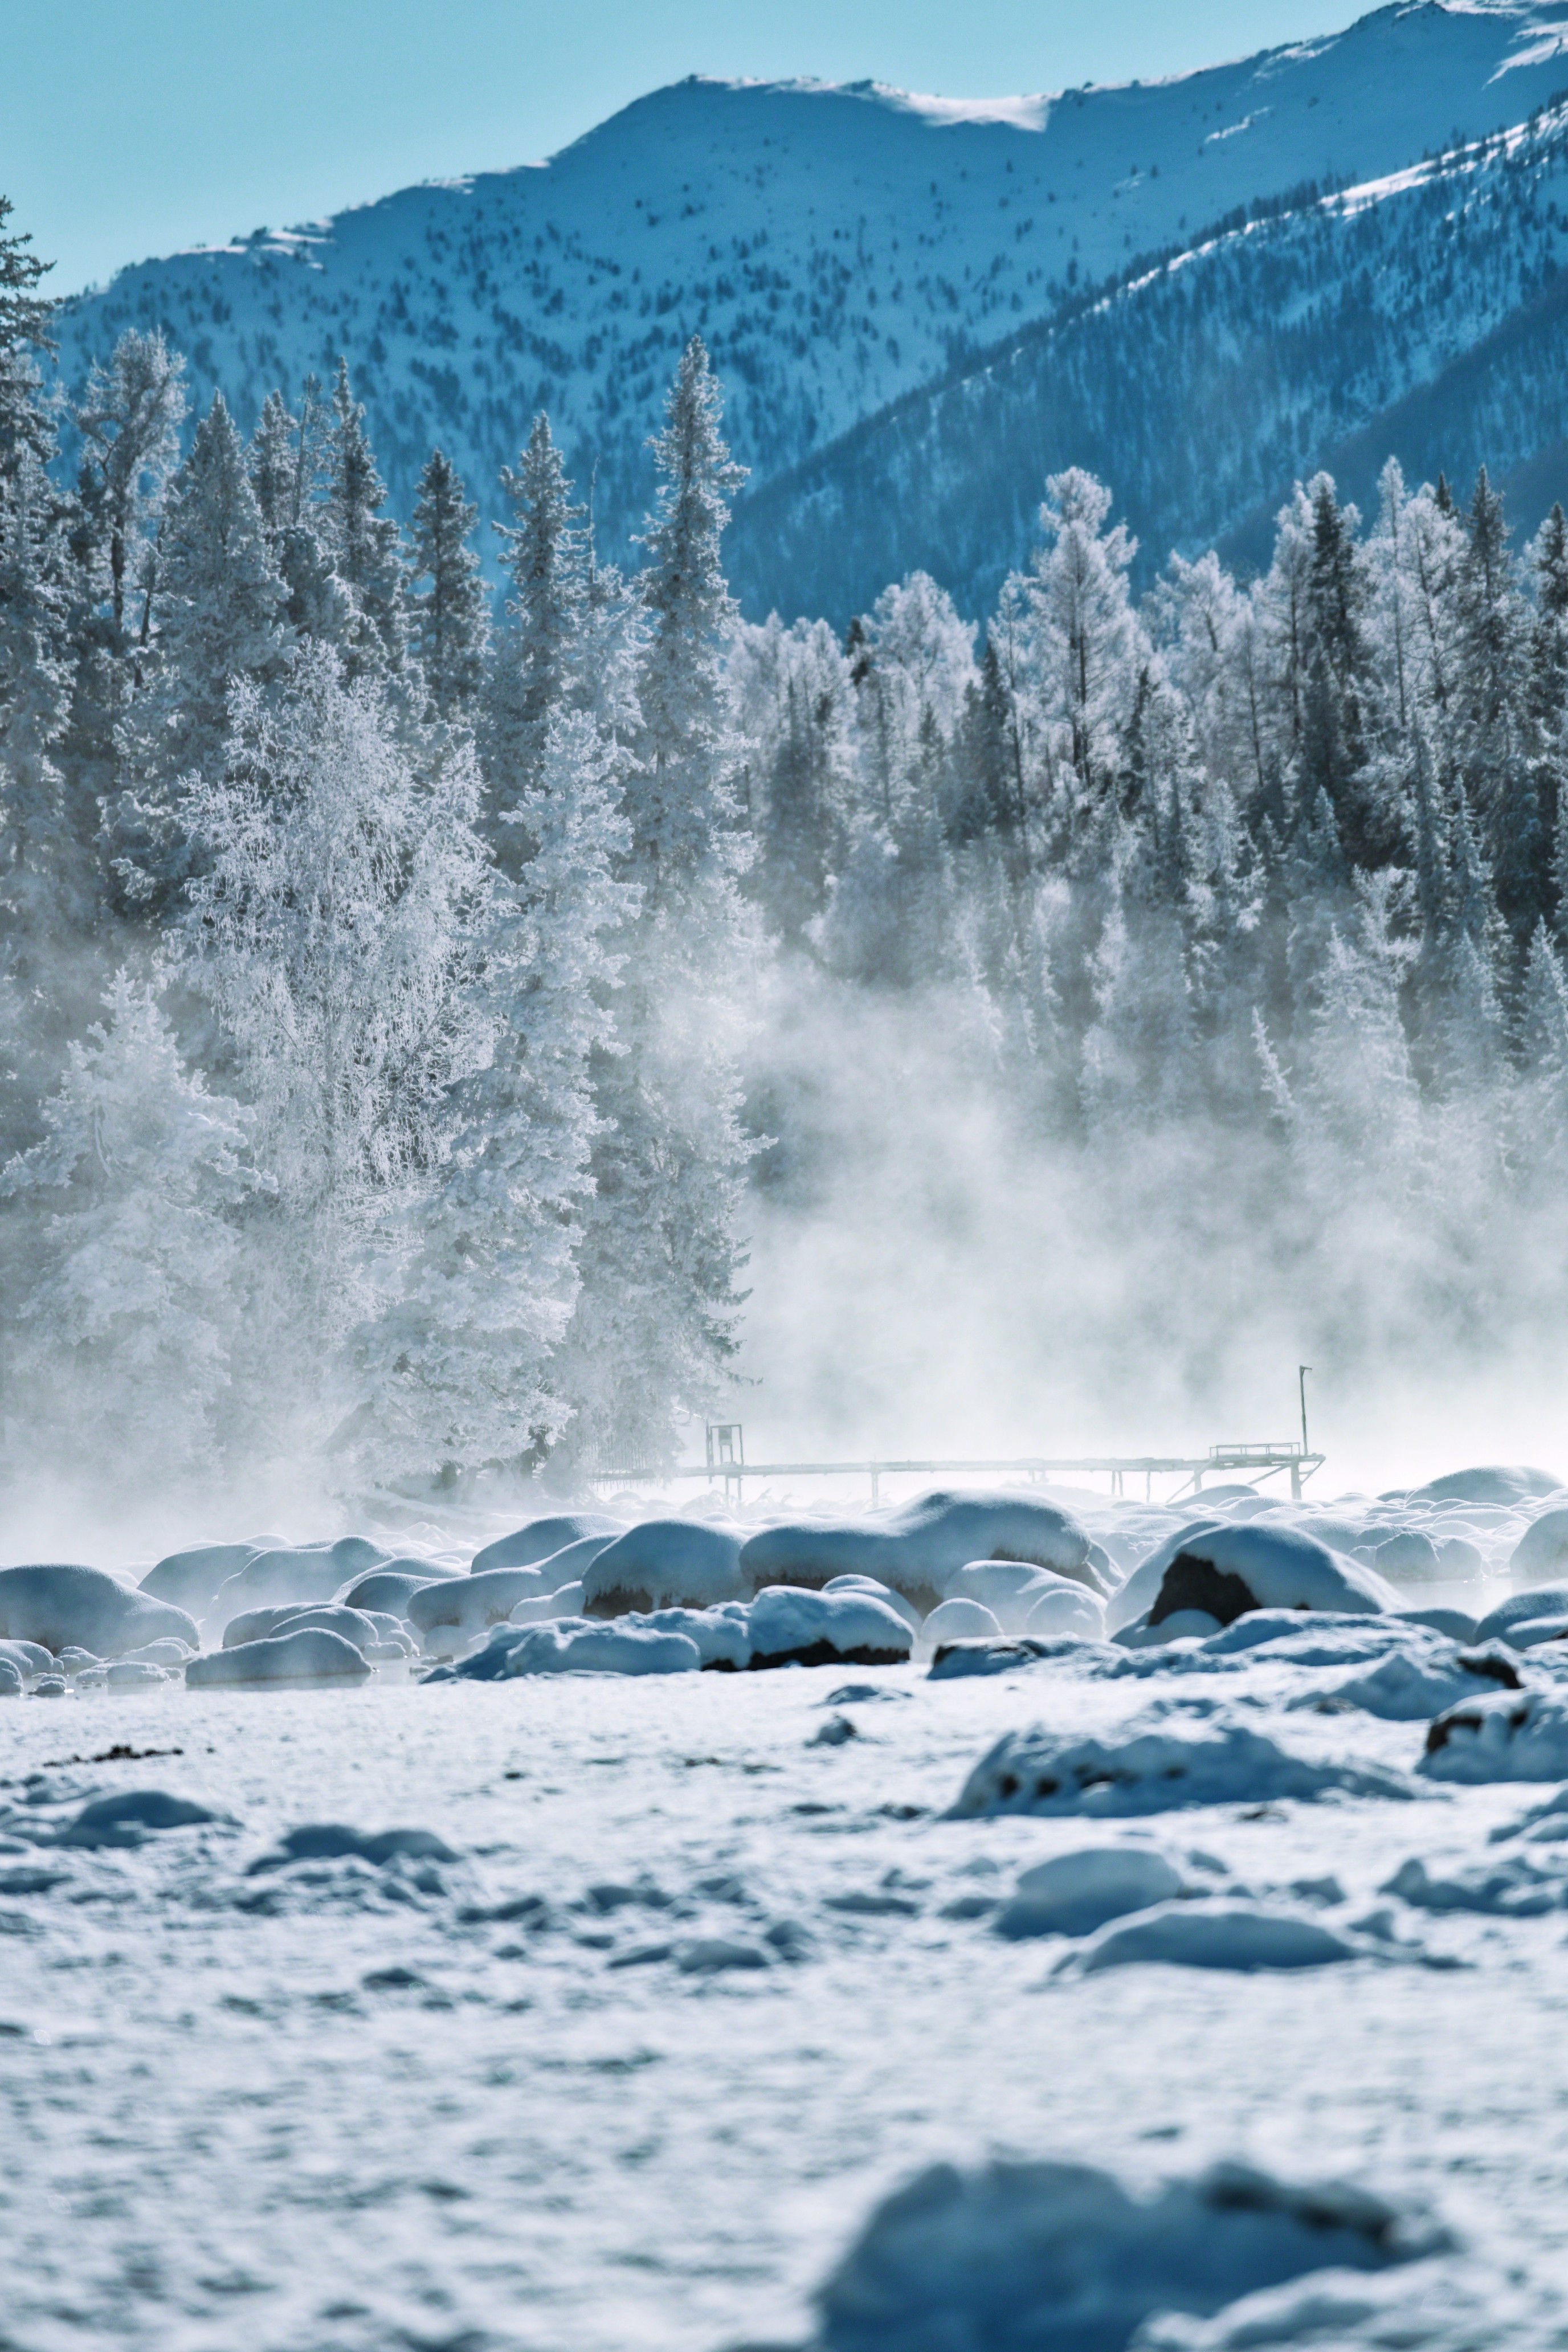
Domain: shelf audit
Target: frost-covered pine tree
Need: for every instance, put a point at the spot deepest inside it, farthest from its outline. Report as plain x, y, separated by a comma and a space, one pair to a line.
125, 1211
332, 930
48, 881
36, 879
459, 1368
362, 542
536, 664
448, 615
129, 422
1087, 645
687, 843
286, 459
794, 703
219, 612
661, 1253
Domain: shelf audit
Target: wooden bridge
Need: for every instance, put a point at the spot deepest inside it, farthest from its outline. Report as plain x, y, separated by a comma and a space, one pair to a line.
726, 1460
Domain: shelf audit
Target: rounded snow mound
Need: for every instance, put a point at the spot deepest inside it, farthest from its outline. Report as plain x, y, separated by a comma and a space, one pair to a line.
1413, 1687
917, 1548
337, 1841
1074, 1894
191, 1578
129, 1817
1224, 1572
59, 1606
1501, 1735
1057, 1606
542, 1539
723, 1635
1497, 1483
311, 1655
790, 1626
299, 1573
374, 1636
663, 1564
959, 1620
1216, 1934
390, 1590
574, 1645
1541, 1551
1016, 1592
1171, 1760
878, 1592
1530, 1606
461, 1607
1021, 2257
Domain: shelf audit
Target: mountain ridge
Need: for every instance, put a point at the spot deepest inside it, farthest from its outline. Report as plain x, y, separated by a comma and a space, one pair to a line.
841, 246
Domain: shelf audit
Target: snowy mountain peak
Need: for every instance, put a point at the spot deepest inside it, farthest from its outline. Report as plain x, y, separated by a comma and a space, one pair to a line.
841, 246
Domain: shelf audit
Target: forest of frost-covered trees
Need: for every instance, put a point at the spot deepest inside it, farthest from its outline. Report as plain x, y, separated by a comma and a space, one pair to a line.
382, 974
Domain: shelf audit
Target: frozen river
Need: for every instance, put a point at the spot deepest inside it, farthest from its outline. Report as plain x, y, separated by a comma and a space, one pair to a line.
698, 1987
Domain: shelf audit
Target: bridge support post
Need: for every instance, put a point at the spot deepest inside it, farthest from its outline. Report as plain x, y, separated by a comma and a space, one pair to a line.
1295, 1482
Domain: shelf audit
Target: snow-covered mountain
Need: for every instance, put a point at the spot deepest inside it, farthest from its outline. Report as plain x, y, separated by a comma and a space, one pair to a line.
841, 249
1422, 316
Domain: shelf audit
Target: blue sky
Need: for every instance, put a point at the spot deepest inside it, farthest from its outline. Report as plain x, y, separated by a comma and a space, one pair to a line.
131, 131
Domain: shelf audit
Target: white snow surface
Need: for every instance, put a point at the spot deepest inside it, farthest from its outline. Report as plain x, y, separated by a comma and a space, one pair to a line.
569, 2008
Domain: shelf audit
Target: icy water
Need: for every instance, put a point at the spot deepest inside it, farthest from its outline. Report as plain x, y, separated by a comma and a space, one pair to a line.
696, 1991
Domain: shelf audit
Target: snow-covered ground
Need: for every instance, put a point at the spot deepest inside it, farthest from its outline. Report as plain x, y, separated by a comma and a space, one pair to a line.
689, 1971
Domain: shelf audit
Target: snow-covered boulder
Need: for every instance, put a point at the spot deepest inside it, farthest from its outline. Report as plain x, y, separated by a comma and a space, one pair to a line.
56, 1605
1063, 2258
958, 1621
1060, 1606
1204, 1758
311, 1656
191, 1578
1074, 1894
1227, 1572
1502, 1735
1408, 1556
168, 1652
337, 1841
1217, 1935
29, 1659
1517, 1886
130, 1817
663, 1564
919, 1547
540, 1539
130, 1673
12, 1682
1458, 1625
1014, 1591
962, 1657
301, 1573
878, 1592
1529, 1605
1499, 1484
1413, 1686
448, 1614
379, 1639
1537, 1632
574, 1645
723, 1635
1541, 1551
791, 1626
390, 1590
